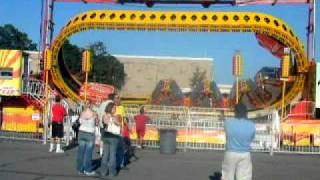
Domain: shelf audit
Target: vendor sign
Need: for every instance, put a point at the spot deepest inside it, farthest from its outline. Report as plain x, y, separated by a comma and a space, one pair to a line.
97, 92
10, 72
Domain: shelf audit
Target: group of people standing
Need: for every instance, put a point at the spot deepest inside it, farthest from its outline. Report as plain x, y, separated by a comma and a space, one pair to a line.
240, 133
114, 145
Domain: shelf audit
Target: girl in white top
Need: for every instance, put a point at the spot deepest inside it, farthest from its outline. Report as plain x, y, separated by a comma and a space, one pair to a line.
88, 120
110, 117
110, 142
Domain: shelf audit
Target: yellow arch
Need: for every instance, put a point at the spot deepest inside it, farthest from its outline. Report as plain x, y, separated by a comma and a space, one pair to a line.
182, 21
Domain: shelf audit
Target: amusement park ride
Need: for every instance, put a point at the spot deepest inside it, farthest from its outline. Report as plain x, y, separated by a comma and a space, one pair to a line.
269, 30
182, 21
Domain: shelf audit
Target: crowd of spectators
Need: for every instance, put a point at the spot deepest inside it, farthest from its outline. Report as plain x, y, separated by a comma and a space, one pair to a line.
104, 125
109, 122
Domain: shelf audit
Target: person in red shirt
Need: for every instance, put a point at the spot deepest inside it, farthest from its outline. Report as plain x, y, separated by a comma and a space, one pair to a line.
125, 130
126, 142
141, 120
58, 113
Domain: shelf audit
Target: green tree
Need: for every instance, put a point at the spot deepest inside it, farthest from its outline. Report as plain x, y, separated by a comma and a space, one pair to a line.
72, 58
197, 85
197, 78
106, 68
99, 49
12, 38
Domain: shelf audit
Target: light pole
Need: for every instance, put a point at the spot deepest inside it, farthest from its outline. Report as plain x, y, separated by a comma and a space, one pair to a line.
237, 71
285, 65
47, 67
86, 67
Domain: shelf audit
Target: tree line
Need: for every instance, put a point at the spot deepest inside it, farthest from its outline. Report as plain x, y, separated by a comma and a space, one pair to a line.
106, 68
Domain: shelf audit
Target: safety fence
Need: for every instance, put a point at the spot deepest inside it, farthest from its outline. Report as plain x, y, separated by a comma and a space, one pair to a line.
203, 129
28, 123
299, 138
197, 129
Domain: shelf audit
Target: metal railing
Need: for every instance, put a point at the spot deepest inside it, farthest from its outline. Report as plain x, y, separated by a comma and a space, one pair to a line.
35, 89
197, 129
203, 129
37, 130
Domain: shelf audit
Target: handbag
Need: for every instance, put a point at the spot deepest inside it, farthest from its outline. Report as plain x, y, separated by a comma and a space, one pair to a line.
76, 125
113, 128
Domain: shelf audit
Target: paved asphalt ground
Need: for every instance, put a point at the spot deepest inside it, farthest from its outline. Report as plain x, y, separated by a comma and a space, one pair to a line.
32, 161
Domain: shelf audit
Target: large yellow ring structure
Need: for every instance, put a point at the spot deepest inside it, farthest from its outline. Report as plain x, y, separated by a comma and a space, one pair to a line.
182, 21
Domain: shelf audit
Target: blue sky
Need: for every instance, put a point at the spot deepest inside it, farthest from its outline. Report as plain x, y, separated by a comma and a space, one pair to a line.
25, 15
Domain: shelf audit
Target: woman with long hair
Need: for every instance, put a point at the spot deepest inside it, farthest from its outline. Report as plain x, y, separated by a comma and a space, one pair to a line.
110, 142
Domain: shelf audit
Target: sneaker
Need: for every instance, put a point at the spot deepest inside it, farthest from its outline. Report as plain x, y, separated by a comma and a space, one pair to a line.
59, 151
81, 173
51, 150
99, 173
111, 176
92, 173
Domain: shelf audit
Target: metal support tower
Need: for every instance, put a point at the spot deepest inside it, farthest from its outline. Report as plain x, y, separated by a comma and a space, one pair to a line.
46, 31
311, 29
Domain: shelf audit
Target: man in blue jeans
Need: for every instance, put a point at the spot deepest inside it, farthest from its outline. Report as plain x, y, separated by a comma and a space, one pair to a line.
240, 133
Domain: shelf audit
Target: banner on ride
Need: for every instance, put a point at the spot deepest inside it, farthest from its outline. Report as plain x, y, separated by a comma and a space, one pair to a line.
194, 135
301, 133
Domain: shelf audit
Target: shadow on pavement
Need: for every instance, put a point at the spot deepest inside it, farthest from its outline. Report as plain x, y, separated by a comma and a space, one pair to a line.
71, 146
216, 176
43, 175
96, 163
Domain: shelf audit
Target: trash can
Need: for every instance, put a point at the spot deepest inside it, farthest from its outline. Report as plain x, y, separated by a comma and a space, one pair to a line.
168, 140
